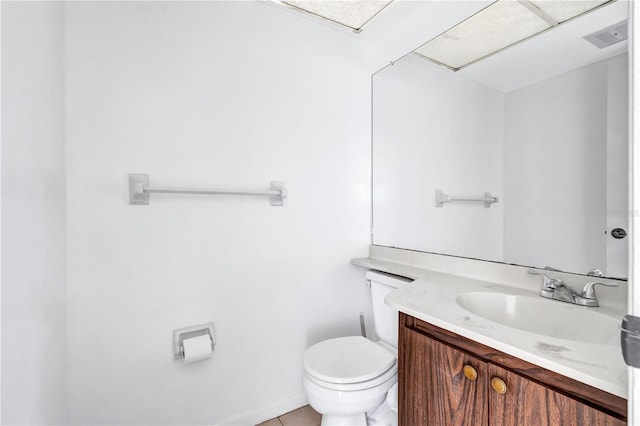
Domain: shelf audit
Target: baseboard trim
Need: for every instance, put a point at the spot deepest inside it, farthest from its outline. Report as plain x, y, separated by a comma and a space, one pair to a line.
265, 413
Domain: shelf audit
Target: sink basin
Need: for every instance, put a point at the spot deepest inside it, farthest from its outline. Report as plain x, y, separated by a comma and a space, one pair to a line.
544, 317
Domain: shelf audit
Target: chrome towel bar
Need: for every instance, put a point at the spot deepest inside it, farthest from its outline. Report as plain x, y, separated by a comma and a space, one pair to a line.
442, 198
139, 191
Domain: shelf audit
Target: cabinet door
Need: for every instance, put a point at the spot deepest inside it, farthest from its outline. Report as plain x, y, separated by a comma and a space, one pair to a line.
528, 403
433, 387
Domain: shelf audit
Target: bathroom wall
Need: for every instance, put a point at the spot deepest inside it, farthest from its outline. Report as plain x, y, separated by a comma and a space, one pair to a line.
434, 130
572, 122
223, 94
33, 214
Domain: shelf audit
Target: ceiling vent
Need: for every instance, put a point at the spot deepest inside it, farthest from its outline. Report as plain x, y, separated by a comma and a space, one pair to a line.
608, 36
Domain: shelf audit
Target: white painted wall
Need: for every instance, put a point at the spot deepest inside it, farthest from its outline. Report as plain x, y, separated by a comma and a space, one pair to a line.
229, 94
435, 130
33, 214
556, 161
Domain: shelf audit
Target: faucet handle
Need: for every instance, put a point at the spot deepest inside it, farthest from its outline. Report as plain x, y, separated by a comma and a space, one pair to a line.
595, 273
548, 283
542, 274
589, 290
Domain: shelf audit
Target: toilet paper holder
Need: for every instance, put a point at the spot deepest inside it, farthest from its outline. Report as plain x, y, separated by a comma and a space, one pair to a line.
182, 334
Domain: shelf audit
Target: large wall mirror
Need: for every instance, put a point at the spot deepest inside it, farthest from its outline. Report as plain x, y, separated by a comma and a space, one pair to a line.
542, 126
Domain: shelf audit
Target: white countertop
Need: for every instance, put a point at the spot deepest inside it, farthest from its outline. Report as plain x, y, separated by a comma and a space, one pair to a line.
432, 298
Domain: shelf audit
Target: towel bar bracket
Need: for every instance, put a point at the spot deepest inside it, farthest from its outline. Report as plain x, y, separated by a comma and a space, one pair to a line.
137, 185
281, 193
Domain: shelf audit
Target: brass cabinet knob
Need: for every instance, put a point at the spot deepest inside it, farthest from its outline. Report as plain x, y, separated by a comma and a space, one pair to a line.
499, 385
469, 372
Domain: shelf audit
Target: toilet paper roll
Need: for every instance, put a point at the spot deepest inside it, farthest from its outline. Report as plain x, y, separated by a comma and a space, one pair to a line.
197, 348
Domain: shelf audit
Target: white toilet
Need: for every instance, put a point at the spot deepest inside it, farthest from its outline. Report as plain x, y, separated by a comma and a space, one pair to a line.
347, 378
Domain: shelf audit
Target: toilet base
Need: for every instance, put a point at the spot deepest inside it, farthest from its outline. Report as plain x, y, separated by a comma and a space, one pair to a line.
354, 420
347, 408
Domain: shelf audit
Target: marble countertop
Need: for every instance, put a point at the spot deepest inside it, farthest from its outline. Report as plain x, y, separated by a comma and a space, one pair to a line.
432, 298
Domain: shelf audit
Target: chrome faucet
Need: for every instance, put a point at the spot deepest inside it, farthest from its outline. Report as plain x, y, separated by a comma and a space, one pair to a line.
556, 289
589, 292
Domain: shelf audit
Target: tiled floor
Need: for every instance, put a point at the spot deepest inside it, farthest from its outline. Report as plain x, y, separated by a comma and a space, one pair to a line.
305, 416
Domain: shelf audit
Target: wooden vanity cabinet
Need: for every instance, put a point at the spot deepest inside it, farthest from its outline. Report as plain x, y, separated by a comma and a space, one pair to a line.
446, 379
432, 387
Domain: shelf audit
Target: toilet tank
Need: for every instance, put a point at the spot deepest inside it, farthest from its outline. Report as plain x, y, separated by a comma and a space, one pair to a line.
385, 319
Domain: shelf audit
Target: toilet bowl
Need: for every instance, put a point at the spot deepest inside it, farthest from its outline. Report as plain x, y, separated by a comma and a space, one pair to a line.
344, 378
347, 378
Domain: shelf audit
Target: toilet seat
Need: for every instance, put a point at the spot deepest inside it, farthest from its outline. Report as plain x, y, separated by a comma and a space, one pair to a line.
390, 375
349, 363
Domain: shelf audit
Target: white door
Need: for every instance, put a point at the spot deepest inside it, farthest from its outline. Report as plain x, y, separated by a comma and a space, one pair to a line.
634, 241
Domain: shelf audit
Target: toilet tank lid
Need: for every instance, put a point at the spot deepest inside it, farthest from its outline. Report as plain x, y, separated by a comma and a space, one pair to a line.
388, 279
